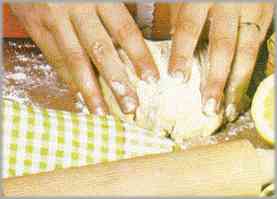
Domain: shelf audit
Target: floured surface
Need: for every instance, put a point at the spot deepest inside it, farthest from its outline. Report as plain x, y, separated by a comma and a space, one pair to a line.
30, 80
171, 106
54, 96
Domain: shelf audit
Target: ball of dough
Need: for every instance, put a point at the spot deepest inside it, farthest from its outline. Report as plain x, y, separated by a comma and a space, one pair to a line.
169, 106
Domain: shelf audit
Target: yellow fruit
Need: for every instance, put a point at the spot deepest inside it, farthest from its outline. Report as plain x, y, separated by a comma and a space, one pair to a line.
263, 107
270, 67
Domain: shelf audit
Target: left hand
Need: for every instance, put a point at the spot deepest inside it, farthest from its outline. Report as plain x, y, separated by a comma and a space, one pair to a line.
236, 32
72, 36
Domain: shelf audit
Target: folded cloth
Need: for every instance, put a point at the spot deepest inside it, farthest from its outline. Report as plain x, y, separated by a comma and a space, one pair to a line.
37, 139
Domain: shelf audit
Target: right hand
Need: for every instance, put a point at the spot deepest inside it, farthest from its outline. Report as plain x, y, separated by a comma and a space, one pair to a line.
235, 34
73, 35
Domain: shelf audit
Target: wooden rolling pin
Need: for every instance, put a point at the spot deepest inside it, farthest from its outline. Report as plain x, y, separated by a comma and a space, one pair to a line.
230, 169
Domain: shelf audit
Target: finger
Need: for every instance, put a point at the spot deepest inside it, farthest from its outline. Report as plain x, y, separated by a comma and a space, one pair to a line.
189, 23
254, 23
202, 56
77, 61
99, 46
45, 41
47, 45
123, 28
222, 43
174, 10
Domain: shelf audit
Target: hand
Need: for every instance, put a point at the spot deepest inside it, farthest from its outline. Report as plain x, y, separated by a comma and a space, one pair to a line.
236, 32
72, 35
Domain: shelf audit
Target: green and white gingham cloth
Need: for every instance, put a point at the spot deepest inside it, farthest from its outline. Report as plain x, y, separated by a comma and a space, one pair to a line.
37, 139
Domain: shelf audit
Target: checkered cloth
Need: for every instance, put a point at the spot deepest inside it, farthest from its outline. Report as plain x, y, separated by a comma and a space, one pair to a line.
37, 139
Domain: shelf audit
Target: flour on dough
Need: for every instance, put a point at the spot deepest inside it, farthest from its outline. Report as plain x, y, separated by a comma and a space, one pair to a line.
168, 106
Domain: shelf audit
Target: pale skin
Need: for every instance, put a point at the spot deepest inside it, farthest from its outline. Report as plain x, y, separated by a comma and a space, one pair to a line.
72, 36
236, 32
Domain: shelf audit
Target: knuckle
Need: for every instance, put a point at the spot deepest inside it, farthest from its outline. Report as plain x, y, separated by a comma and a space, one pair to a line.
125, 30
81, 16
226, 44
218, 79
52, 10
75, 55
56, 61
100, 49
53, 16
83, 13
217, 85
221, 80
85, 7
178, 61
51, 23
249, 49
187, 25
51, 7
144, 66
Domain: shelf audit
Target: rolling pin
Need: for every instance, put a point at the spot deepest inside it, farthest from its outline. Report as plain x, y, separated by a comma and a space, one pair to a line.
229, 169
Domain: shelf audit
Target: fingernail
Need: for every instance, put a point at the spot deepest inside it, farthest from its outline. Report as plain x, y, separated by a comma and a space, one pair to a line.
97, 47
119, 88
231, 112
172, 30
186, 77
148, 77
99, 111
178, 75
151, 79
129, 104
182, 76
210, 107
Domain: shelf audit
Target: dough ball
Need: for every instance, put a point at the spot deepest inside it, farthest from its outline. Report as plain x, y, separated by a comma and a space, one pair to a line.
169, 106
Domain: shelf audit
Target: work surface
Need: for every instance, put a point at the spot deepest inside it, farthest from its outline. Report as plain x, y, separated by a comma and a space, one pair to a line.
29, 79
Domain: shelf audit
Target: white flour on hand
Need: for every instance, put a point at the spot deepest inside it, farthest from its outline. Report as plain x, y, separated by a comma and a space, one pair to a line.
170, 106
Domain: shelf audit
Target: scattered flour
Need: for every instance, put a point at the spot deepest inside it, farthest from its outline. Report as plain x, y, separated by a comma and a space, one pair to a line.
16, 76
80, 104
30, 72
243, 122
